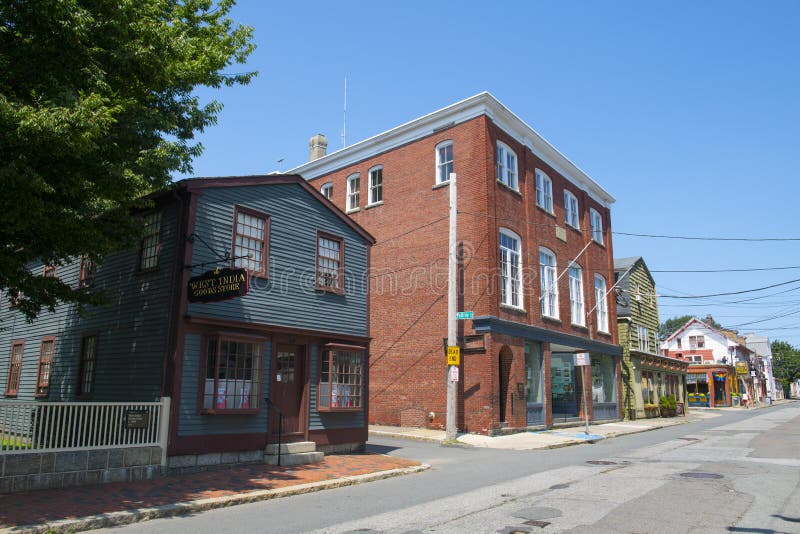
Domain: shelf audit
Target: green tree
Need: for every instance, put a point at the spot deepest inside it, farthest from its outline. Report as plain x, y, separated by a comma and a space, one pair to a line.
670, 326
97, 109
785, 363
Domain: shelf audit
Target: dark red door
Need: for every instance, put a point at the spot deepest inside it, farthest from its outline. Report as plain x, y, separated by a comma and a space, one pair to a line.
286, 389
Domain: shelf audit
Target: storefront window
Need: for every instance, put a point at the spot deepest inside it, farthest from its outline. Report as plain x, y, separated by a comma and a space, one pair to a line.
232, 378
697, 389
533, 371
604, 379
647, 387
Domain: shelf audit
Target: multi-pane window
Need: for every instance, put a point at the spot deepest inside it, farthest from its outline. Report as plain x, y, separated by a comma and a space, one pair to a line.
648, 387
571, 209
151, 242
679, 342
353, 192
87, 271
49, 270
544, 191
510, 269
644, 338
330, 263
15, 368
376, 185
250, 241
576, 295
444, 162
507, 166
341, 378
45, 366
232, 376
549, 286
327, 190
697, 342
86, 369
600, 303
596, 220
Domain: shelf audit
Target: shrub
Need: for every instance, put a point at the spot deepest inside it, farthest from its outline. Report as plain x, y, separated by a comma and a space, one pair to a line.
668, 405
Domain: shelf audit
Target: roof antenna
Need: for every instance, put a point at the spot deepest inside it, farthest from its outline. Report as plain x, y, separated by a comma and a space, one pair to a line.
280, 161
344, 122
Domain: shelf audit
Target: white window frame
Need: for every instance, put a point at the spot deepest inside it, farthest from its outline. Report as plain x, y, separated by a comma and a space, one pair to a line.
644, 338
444, 166
511, 270
548, 276
601, 303
353, 193
576, 301
544, 191
327, 191
375, 190
507, 166
596, 221
571, 210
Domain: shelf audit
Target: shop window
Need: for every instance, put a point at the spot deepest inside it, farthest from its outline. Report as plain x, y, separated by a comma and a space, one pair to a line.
15, 368
604, 379
533, 370
341, 378
45, 366
232, 378
250, 234
648, 387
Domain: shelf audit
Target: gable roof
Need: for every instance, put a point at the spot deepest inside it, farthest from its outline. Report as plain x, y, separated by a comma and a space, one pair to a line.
194, 184
465, 110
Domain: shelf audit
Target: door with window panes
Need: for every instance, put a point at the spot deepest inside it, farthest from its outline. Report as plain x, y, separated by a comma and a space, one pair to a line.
286, 389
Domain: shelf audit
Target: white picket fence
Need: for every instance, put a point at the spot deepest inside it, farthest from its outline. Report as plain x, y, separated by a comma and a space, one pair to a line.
62, 426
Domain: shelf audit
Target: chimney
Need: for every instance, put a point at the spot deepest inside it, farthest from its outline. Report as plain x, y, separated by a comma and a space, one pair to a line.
319, 146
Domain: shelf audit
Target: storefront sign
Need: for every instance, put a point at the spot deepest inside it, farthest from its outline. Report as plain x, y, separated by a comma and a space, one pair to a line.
582, 358
137, 418
219, 284
742, 368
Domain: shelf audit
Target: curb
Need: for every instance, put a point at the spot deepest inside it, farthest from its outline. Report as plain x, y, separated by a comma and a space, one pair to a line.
399, 435
169, 510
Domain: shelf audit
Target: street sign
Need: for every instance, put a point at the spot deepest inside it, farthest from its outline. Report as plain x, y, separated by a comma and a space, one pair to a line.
460, 316
582, 358
454, 374
453, 356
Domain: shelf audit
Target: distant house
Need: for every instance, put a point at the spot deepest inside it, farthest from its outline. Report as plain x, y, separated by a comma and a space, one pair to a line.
646, 374
242, 289
719, 363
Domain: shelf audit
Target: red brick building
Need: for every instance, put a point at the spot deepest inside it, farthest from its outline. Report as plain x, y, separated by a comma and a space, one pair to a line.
525, 213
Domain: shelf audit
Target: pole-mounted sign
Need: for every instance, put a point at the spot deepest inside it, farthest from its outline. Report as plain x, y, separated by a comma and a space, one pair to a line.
454, 355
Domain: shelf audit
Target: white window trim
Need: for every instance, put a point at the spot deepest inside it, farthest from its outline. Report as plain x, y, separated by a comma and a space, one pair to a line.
601, 304
327, 186
541, 179
439, 163
568, 196
371, 187
577, 308
596, 223
644, 338
505, 174
506, 278
552, 277
350, 179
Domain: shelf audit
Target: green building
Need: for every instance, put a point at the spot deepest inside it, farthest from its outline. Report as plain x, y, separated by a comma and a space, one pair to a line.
646, 374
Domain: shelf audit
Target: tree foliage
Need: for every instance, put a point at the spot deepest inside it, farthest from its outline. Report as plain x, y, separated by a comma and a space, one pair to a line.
97, 109
785, 363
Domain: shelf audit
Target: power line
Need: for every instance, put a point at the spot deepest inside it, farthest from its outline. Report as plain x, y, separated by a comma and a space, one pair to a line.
724, 270
728, 293
693, 238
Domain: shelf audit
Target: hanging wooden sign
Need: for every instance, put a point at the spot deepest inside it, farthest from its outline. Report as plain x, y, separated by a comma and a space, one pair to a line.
219, 284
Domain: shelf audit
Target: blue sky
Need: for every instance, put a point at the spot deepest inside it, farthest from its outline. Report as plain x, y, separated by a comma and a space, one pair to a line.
686, 112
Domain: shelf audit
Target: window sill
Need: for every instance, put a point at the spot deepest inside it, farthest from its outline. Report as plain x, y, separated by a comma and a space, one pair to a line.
579, 326
550, 319
598, 243
375, 205
441, 185
509, 188
242, 411
544, 210
353, 210
334, 290
573, 228
148, 270
513, 309
335, 410
604, 333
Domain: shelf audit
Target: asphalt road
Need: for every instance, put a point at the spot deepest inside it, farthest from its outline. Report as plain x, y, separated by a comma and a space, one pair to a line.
739, 472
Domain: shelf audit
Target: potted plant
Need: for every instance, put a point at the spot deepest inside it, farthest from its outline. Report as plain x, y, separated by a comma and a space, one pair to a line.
668, 406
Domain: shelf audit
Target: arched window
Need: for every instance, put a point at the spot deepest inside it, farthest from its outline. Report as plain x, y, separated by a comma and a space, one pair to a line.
571, 209
327, 190
576, 309
549, 286
444, 161
510, 268
507, 166
544, 191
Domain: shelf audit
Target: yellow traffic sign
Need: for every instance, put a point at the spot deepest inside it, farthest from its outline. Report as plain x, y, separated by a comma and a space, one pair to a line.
453, 355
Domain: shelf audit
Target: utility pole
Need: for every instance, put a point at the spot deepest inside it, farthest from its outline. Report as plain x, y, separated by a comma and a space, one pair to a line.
452, 302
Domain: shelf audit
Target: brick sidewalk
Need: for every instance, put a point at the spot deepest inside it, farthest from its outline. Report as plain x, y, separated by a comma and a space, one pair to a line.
56, 506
